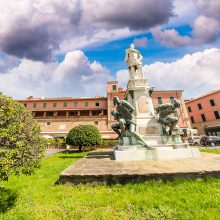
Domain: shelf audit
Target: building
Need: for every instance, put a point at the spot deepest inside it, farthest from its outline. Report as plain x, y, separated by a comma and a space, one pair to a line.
204, 113
56, 116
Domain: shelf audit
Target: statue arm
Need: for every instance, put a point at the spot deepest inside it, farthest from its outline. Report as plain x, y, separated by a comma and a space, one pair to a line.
156, 115
140, 58
128, 105
116, 115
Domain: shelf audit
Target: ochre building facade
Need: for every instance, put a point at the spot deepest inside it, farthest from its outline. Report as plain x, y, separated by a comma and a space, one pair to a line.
56, 116
204, 113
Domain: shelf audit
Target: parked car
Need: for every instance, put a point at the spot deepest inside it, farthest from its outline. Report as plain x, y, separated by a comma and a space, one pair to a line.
213, 141
203, 140
194, 140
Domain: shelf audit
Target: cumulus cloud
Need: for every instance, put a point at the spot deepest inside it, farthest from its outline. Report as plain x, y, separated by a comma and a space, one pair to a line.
209, 8
136, 15
74, 76
185, 12
195, 73
35, 29
205, 29
205, 25
170, 38
140, 42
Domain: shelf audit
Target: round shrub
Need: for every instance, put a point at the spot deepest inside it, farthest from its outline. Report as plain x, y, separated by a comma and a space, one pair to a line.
84, 136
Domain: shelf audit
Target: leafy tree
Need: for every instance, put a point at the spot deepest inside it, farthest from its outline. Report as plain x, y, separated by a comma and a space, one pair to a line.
21, 146
84, 136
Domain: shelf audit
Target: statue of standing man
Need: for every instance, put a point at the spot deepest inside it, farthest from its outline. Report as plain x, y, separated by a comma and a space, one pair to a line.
134, 60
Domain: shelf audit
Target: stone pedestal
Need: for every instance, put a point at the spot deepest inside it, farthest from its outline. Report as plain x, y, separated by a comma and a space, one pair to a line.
161, 147
162, 153
147, 126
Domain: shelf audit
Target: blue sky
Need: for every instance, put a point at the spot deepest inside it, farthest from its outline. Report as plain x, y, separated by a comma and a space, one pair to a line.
72, 48
112, 54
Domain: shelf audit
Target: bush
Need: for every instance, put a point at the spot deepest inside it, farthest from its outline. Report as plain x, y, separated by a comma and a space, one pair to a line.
7, 199
109, 143
84, 136
21, 145
56, 142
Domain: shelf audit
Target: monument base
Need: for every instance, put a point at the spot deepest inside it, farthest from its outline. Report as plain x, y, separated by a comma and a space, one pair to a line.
134, 153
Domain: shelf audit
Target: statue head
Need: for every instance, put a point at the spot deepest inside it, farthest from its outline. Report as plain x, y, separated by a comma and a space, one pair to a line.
176, 104
132, 46
115, 100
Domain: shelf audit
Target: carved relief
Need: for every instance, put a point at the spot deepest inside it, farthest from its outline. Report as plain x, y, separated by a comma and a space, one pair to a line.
149, 130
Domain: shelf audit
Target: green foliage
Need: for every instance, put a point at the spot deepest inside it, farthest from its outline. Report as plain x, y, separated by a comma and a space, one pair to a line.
55, 142
7, 199
109, 143
84, 136
21, 146
38, 197
214, 151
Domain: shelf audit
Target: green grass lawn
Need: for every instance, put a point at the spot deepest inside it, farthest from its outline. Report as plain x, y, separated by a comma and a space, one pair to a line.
39, 198
215, 151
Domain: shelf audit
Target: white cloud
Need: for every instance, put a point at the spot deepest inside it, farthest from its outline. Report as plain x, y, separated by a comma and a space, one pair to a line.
170, 38
75, 76
205, 29
36, 29
195, 73
185, 12
204, 18
140, 42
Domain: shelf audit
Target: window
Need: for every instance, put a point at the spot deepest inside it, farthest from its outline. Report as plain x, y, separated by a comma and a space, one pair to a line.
114, 87
44, 105
96, 122
212, 102
199, 106
34, 105
25, 105
160, 101
217, 116
54, 105
86, 104
203, 117
192, 119
65, 104
97, 104
75, 104
48, 123
189, 109
172, 100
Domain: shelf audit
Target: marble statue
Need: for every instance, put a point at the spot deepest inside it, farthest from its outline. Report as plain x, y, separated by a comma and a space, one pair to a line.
134, 60
126, 121
164, 116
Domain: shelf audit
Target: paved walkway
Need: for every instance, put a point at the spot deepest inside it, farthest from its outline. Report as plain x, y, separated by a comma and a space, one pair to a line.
99, 167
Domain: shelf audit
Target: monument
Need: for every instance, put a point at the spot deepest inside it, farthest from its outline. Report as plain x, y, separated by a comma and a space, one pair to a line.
145, 133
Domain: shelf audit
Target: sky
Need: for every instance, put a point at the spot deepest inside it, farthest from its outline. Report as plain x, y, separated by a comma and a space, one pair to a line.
71, 48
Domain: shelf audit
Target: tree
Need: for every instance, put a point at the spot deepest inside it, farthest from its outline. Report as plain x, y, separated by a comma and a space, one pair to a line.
21, 146
84, 136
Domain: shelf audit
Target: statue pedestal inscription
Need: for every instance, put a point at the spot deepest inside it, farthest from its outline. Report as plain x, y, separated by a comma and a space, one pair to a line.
146, 133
